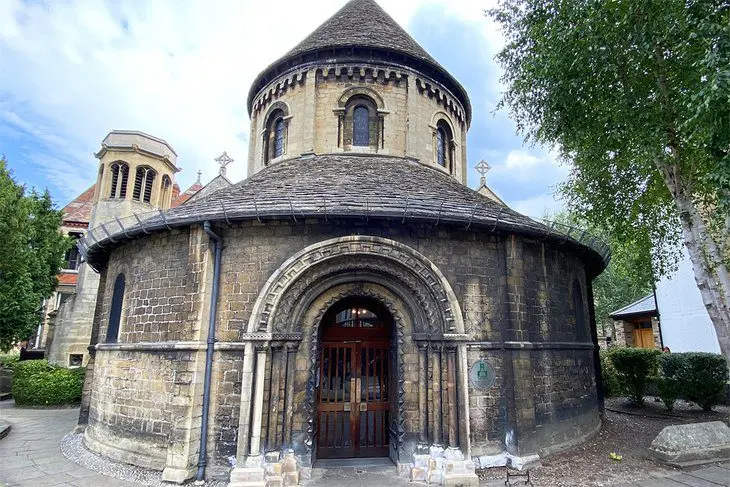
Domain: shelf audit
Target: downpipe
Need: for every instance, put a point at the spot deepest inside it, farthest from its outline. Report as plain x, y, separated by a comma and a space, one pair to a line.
203, 452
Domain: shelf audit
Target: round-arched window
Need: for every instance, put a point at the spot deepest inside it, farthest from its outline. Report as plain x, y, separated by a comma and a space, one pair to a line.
360, 127
441, 147
279, 129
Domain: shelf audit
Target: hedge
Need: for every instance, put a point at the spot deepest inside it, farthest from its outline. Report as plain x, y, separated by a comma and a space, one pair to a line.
703, 377
38, 383
634, 369
611, 386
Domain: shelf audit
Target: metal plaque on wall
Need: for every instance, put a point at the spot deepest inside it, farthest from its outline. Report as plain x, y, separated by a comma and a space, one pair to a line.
482, 375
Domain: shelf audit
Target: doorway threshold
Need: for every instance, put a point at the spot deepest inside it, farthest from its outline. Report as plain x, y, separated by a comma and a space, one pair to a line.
354, 462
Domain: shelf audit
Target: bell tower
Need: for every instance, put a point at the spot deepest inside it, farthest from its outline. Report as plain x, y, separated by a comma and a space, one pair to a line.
136, 175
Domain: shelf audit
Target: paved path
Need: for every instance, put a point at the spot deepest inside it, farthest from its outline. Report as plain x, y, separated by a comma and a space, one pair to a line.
30, 456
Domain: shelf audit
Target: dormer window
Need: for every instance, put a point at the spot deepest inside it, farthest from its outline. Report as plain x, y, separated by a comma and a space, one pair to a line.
143, 184
120, 175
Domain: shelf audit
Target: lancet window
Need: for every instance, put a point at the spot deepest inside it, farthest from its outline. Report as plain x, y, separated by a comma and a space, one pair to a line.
143, 181
120, 176
275, 134
444, 145
115, 313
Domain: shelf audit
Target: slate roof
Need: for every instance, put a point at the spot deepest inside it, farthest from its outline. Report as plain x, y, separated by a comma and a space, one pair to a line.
345, 186
78, 211
360, 24
644, 306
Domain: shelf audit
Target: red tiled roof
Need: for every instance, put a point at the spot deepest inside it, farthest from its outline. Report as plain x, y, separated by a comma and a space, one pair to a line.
68, 279
79, 209
186, 195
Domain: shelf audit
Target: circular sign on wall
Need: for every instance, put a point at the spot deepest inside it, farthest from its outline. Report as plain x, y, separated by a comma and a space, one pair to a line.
482, 375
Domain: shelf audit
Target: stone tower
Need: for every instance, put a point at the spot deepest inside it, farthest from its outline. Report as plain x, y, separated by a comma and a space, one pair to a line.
136, 175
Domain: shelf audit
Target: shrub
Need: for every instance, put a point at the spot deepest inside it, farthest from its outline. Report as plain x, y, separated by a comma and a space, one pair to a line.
634, 368
669, 382
703, 378
8, 361
38, 383
611, 385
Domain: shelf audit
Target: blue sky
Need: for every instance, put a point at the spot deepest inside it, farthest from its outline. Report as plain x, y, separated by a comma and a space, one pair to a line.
71, 70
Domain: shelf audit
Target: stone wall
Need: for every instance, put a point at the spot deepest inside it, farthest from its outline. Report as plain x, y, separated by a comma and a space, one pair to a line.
409, 106
516, 302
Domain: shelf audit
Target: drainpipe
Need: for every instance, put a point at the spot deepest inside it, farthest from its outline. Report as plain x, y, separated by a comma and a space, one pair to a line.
209, 352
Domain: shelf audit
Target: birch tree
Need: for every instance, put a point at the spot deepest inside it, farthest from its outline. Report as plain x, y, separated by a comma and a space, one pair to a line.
636, 96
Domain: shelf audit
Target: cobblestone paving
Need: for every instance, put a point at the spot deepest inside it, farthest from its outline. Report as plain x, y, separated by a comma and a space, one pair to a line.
31, 456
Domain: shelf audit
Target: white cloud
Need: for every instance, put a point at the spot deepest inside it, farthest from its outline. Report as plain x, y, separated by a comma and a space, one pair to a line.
180, 70
538, 206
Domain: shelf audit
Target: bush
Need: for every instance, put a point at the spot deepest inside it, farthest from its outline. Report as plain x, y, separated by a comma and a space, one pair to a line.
703, 378
669, 382
611, 386
8, 361
634, 368
38, 383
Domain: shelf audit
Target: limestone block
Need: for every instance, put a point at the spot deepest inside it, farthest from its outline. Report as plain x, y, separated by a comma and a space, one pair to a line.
436, 451
418, 474
177, 475
289, 463
421, 460
291, 478
436, 464
247, 477
687, 444
435, 477
275, 482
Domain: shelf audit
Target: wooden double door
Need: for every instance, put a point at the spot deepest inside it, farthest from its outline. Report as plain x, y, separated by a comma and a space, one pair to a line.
353, 399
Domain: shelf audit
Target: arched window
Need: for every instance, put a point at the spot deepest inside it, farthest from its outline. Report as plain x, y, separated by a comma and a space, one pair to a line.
165, 193
279, 129
115, 312
580, 320
360, 126
275, 134
120, 175
143, 184
443, 145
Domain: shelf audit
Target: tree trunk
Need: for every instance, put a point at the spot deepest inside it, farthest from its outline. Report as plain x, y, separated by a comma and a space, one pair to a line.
709, 270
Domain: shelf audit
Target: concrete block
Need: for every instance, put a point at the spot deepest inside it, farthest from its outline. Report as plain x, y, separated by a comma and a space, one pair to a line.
687, 444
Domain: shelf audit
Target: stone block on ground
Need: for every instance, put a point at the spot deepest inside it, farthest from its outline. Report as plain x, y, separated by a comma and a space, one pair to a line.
689, 444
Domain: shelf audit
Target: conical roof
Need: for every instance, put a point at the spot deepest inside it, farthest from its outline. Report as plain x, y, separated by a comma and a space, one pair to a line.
361, 24
345, 186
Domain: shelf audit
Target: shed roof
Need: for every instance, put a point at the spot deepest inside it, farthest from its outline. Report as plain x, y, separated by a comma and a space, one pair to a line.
643, 306
353, 186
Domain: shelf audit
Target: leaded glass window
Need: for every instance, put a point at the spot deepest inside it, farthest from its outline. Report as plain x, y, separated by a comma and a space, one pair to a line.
360, 127
279, 137
115, 313
441, 147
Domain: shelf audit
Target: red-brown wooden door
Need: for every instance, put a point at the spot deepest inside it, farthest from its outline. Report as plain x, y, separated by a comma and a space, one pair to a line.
353, 405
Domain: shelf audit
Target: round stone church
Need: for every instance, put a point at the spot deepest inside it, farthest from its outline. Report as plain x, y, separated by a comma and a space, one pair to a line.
351, 298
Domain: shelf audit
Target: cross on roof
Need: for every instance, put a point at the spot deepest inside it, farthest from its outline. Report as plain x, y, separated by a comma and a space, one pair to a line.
223, 160
483, 168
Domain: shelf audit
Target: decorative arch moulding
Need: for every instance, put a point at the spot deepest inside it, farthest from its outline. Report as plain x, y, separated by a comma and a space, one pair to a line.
277, 88
270, 297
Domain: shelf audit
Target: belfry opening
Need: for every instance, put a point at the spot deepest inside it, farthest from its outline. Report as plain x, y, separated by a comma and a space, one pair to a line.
354, 402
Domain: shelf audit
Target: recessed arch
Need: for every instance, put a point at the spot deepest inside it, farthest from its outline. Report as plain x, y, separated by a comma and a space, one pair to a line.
361, 91
269, 299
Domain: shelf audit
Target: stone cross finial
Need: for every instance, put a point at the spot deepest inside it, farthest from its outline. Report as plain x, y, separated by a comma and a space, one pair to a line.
223, 160
200, 173
483, 168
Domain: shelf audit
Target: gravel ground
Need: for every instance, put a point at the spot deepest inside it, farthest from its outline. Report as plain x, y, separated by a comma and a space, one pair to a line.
628, 433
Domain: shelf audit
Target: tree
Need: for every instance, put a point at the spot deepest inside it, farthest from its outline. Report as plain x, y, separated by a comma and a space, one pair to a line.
628, 276
31, 252
636, 95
